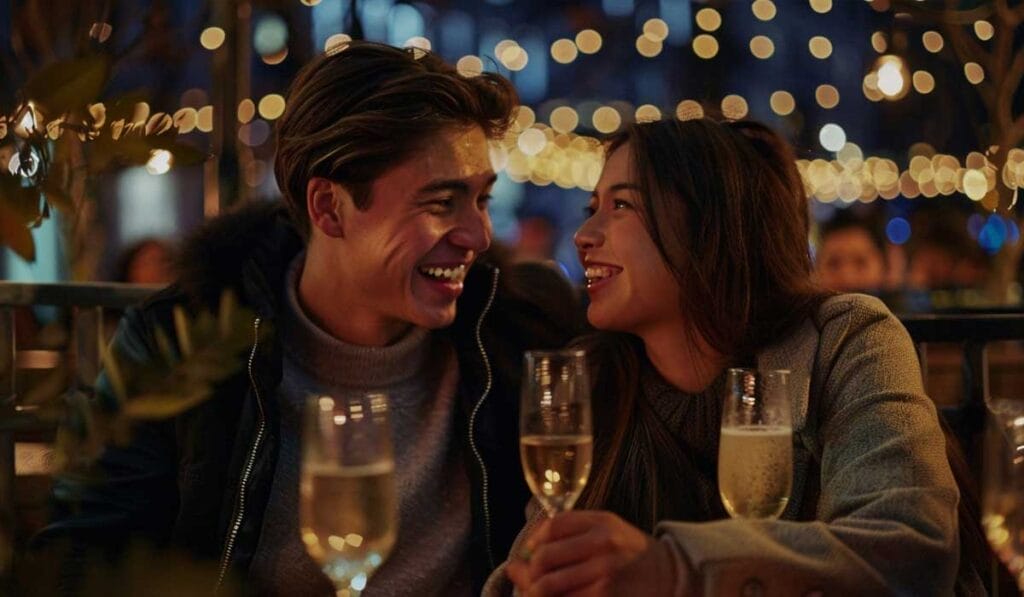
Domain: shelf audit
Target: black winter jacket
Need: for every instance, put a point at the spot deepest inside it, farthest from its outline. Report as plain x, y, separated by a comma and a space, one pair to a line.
200, 482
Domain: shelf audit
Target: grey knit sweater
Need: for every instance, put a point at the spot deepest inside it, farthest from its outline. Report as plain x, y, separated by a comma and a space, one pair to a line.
873, 508
419, 375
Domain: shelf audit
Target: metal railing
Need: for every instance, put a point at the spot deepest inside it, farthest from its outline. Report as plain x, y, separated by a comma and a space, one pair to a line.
85, 304
973, 331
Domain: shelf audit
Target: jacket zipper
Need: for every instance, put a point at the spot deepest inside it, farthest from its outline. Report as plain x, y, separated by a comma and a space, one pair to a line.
247, 471
476, 409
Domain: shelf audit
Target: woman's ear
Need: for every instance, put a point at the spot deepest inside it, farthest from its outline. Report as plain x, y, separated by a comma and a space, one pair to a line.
325, 201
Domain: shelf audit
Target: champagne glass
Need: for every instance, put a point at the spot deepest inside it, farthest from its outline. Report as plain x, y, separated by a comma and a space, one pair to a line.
1003, 484
555, 435
348, 510
755, 453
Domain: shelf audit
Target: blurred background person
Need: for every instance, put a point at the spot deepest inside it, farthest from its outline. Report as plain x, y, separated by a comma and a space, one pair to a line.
942, 254
148, 261
851, 255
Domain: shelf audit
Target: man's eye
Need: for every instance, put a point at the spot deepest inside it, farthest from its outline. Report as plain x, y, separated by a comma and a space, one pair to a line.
485, 200
441, 204
589, 211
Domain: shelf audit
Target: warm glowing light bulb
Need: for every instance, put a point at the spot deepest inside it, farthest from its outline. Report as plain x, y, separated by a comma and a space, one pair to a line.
160, 161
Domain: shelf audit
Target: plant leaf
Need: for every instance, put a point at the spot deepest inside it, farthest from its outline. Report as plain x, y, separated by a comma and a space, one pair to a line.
14, 231
163, 406
68, 85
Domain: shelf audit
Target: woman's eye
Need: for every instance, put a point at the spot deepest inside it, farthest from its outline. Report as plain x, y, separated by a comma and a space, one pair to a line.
620, 204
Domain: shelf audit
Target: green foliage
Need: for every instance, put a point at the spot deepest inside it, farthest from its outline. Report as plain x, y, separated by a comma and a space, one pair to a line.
71, 139
206, 350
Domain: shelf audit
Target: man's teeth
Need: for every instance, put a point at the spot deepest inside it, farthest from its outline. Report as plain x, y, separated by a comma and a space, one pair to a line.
450, 274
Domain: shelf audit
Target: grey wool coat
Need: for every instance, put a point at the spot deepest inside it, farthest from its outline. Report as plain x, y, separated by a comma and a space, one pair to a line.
874, 505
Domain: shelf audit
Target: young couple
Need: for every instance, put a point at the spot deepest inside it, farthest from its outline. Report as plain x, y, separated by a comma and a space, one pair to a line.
375, 276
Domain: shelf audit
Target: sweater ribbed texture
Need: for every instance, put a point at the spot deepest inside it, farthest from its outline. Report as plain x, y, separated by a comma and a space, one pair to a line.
419, 373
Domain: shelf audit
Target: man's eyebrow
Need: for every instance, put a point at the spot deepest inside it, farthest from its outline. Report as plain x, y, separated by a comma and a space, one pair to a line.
454, 184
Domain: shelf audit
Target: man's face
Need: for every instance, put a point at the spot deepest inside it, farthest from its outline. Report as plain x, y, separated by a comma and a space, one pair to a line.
848, 260
404, 259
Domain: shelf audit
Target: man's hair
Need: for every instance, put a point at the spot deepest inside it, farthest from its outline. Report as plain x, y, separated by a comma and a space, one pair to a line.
844, 220
355, 112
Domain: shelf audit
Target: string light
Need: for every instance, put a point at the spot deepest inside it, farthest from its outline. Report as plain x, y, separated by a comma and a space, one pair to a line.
211, 38
564, 51
708, 19
589, 41
705, 46
762, 47
820, 47
764, 10
782, 103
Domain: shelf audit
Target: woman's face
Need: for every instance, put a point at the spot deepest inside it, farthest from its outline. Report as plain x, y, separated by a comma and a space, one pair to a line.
631, 289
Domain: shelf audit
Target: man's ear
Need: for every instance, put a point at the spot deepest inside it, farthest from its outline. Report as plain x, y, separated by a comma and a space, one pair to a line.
325, 202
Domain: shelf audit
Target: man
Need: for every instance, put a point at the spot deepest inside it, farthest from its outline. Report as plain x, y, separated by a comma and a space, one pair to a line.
851, 256
374, 280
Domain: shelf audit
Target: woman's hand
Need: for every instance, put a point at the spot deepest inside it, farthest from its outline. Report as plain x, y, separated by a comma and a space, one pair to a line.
592, 553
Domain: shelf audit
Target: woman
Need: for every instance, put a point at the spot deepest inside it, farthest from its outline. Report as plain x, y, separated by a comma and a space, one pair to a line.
696, 258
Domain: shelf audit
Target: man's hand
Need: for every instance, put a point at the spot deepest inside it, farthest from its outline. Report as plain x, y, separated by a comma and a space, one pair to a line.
589, 553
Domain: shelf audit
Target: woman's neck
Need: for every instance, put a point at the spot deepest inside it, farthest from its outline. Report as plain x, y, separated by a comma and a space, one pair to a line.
689, 364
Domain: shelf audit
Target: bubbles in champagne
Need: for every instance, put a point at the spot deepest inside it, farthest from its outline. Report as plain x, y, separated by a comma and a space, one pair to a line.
755, 470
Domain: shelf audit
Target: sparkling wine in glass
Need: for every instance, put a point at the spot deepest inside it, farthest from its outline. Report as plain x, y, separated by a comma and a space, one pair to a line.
555, 435
1003, 484
755, 452
348, 510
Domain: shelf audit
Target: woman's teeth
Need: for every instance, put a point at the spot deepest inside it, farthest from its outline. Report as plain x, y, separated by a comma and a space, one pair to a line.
596, 273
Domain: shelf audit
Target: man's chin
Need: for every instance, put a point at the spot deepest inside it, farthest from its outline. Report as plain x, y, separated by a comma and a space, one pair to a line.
436, 318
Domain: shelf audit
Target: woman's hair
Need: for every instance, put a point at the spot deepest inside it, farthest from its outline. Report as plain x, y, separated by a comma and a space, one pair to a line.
726, 209
363, 108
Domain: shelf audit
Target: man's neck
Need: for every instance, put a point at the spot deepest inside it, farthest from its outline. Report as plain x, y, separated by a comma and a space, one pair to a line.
688, 365
324, 301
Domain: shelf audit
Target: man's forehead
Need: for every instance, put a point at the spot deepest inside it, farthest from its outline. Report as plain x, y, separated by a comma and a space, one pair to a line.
451, 154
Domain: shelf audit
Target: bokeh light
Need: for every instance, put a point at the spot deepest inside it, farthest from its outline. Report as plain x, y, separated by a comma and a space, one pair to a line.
271, 106
974, 73
832, 137
708, 19
782, 103
878, 42
469, 66
689, 110
589, 41
607, 119
734, 107
827, 96
932, 41
656, 29
335, 42
564, 51
564, 119
246, 110
647, 47
762, 47
924, 82
705, 46
764, 10
820, 47
898, 231
984, 30
821, 6
647, 113
212, 38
